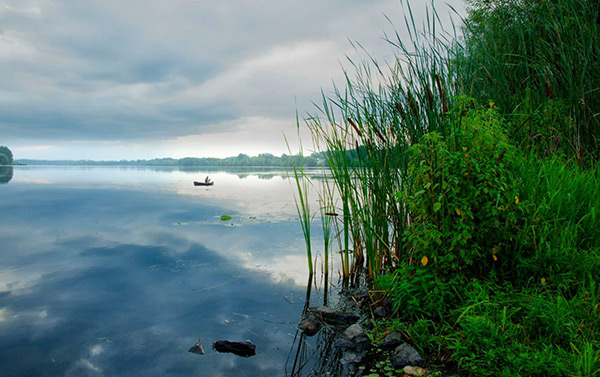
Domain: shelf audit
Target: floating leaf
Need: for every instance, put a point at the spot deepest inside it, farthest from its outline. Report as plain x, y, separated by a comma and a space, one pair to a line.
225, 217
424, 261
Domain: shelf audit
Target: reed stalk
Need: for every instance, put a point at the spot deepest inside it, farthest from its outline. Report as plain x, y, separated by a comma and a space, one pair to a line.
364, 131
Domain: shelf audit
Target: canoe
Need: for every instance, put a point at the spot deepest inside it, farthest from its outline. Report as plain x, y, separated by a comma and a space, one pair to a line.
196, 183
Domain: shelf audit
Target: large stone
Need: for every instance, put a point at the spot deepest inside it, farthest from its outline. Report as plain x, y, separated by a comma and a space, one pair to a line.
379, 312
404, 355
310, 325
353, 358
415, 371
392, 340
333, 316
354, 338
245, 349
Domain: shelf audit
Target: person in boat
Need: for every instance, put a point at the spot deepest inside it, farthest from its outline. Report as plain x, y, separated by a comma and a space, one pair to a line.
207, 180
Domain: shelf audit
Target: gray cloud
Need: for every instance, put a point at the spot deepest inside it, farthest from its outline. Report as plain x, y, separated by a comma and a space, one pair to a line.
152, 70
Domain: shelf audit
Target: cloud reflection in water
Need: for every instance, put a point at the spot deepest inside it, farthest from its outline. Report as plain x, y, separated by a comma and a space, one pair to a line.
96, 280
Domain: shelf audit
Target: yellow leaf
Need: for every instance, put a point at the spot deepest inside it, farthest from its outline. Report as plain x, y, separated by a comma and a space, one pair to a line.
516, 200
424, 261
458, 212
543, 281
495, 257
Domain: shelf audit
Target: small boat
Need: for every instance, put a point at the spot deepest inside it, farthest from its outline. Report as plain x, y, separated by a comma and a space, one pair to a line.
196, 183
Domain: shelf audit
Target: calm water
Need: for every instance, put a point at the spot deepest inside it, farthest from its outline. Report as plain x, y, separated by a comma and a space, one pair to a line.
119, 271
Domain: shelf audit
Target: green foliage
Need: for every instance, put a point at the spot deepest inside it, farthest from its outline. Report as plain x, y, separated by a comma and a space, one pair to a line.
493, 236
520, 296
562, 223
6, 156
526, 54
462, 195
225, 217
364, 130
416, 292
508, 331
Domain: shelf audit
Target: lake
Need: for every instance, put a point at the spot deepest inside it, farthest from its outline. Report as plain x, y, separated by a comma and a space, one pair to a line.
108, 271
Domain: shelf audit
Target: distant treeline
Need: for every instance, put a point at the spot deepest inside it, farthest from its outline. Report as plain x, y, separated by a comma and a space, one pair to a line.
263, 159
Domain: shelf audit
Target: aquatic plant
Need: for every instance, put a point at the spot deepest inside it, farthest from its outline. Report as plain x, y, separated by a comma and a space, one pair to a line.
531, 58
364, 132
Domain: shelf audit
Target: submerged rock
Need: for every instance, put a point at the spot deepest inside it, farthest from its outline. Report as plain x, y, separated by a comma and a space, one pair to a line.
244, 349
405, 355
310, 325
353, 358
197, 348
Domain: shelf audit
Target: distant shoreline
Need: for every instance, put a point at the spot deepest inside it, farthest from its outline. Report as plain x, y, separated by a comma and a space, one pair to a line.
241, 160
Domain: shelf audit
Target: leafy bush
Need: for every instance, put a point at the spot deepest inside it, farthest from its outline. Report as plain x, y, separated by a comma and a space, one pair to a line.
8, 154
462, 195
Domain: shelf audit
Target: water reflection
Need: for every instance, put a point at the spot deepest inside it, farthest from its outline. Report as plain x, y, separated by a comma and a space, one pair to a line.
112, 272
313, 356
6, 174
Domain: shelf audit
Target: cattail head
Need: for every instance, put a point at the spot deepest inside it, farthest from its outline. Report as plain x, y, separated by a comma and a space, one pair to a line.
355, 127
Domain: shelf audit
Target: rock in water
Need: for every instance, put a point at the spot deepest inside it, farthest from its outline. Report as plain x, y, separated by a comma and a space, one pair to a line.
310, 325
244, 349
353, 358
404, 355
197, 348
333, 316
354, 344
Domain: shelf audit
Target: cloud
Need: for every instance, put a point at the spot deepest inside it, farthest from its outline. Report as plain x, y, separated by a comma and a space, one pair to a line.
147, 70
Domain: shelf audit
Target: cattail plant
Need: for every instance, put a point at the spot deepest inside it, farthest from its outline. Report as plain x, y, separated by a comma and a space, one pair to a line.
364, 131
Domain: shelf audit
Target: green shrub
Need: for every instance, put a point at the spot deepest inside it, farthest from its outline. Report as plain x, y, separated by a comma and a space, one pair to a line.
462, 196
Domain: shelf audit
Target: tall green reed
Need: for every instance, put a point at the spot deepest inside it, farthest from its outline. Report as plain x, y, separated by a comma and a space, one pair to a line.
302, 203
364, 130
529, 56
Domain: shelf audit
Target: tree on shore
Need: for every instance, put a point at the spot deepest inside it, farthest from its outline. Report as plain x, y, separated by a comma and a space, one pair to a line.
6, 156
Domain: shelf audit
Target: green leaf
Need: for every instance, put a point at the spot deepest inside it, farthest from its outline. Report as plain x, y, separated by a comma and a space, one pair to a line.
225, 217
437, 206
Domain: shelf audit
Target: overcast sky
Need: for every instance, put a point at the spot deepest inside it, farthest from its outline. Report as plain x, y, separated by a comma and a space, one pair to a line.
141, 79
